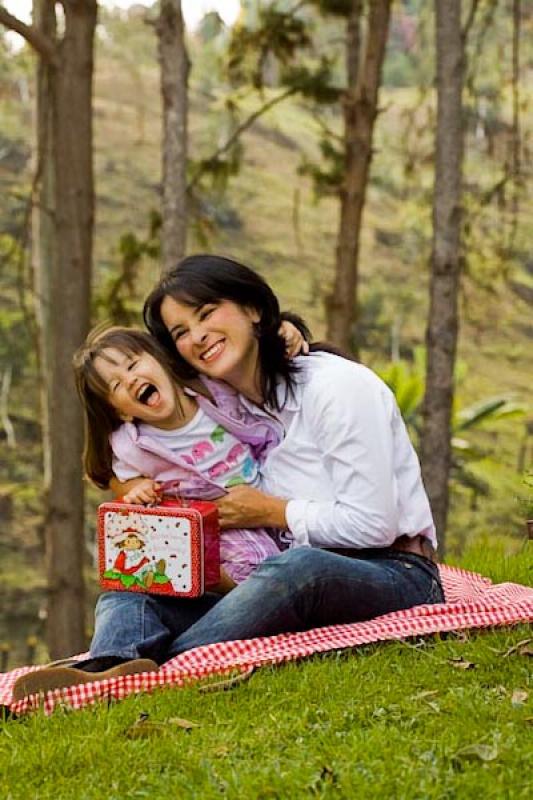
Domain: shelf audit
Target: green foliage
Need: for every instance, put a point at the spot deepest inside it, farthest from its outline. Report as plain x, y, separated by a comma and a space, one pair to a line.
407, 381
218, 169
15, 339
277, 33
526, 499
326, 179
119, 299
398, 70
496, 408
313, 83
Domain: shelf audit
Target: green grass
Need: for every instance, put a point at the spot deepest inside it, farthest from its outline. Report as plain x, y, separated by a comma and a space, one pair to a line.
391, 720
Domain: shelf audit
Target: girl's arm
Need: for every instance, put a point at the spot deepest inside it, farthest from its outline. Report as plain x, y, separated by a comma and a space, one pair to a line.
135, 490
295, 333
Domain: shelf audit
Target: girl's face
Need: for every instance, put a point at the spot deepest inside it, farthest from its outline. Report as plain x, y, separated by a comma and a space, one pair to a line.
217, 339
139, 388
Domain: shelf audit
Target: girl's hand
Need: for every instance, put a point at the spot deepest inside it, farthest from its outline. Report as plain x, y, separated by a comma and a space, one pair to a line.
295, 343
144, 491
246, 507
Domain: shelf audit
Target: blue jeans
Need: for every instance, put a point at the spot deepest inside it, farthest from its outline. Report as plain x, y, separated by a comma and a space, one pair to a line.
299, 589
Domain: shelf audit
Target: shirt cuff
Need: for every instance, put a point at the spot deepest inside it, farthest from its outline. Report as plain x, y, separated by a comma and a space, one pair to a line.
295, 514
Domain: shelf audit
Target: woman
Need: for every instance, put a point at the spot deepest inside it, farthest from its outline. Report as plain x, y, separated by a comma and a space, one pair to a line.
344, 482
344, 479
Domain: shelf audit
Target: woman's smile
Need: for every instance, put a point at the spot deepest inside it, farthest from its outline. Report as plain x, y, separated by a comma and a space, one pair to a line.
212, 352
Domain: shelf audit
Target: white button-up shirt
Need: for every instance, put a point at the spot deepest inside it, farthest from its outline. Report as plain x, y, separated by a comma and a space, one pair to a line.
346, 463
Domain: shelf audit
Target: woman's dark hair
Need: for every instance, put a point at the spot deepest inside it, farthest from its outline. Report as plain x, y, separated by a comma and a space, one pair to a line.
101, 419
202, 279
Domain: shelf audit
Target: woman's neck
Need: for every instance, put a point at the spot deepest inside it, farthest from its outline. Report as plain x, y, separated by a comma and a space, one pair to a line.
249, 386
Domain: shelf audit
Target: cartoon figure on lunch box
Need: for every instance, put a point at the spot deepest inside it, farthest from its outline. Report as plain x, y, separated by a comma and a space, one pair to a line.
131, 565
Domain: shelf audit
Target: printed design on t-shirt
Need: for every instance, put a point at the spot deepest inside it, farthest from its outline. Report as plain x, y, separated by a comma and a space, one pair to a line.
237, 480
248, 467
201, 450
235, 453
217, 435
247, 472
218, 469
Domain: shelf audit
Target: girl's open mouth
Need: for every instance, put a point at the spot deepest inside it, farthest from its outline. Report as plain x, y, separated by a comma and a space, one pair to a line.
149, 395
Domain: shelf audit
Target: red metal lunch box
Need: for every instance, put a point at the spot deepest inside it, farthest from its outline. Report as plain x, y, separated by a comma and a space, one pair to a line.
169, 549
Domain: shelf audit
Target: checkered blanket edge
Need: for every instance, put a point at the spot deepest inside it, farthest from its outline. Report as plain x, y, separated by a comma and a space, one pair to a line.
472, 601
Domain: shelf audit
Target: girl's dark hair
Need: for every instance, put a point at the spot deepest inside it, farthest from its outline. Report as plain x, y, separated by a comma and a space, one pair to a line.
202, 279
101, 419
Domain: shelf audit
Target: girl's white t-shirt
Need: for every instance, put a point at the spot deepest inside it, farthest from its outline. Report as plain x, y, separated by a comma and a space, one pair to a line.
209, 447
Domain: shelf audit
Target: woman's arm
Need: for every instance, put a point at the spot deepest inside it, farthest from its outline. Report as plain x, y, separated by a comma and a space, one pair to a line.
247, 507
361, 455
368, 464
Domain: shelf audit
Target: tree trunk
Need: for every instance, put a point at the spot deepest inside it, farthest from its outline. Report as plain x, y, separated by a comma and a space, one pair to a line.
174, 75
442, 330
70, 302
63, 259
43, 219
360, 111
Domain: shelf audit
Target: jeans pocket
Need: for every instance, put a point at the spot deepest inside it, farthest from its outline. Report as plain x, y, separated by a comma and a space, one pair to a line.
416, 585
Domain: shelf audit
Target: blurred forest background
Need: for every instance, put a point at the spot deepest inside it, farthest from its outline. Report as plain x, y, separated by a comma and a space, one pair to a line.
268, 129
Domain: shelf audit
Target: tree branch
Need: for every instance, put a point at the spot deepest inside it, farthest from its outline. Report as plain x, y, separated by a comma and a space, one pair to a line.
248, 122
40, 43
470, 20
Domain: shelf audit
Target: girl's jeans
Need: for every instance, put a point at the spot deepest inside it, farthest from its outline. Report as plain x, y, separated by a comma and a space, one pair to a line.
299, 589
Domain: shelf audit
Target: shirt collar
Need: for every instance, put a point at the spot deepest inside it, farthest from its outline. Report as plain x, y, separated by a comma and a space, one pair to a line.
286, 400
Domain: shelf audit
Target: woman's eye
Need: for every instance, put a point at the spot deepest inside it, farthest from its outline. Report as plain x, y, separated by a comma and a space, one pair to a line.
205, 313
132, 365
178, 335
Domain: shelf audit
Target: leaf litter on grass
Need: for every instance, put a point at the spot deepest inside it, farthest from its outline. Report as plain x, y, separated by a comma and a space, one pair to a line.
144, 727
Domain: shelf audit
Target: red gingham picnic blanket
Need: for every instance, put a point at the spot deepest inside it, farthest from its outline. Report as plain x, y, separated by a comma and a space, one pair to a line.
472, 601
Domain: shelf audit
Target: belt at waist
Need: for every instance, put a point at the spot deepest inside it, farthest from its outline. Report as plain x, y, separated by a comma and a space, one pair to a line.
417, 545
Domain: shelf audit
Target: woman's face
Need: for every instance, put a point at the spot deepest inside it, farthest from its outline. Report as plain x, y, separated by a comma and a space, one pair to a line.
217, 339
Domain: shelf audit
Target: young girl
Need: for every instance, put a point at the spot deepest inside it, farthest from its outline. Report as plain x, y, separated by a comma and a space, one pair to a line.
142, 421
143, 424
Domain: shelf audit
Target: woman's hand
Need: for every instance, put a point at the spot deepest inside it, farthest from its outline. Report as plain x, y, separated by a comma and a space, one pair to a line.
143, 491
246, 507
295, 342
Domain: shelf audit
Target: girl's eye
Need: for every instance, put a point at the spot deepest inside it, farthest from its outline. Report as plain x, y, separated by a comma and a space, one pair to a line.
114, 386
179, 334
131, 365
